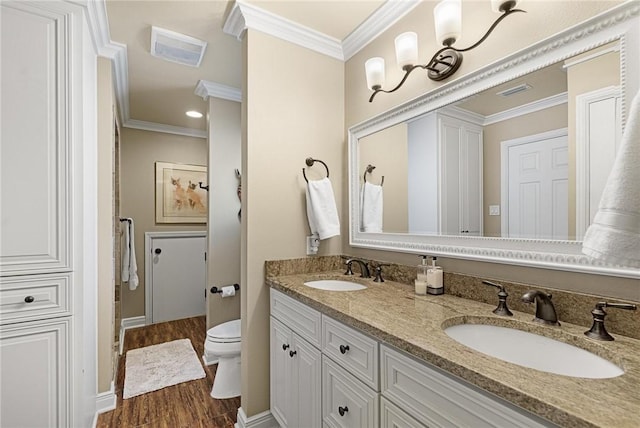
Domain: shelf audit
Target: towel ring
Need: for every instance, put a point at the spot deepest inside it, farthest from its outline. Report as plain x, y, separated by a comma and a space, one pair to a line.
309, 162
369, 169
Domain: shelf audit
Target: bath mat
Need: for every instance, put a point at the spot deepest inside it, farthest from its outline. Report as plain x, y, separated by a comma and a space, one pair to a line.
158, 366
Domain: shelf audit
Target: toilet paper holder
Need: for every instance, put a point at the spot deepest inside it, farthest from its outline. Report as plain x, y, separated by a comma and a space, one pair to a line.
215, 289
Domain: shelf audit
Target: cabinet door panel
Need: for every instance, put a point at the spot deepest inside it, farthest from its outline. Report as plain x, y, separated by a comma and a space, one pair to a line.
307, 380
280, 367
34, 180
346, 402
34, 384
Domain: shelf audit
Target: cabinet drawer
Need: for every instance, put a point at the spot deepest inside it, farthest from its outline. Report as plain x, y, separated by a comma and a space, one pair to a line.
29, 298
297, 316
439, 400
352, 350
346, 402
391, 416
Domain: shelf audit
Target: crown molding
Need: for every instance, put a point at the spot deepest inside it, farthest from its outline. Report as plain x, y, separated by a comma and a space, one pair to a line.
244, 15
532, 107
167, 129
379, 22
207, 89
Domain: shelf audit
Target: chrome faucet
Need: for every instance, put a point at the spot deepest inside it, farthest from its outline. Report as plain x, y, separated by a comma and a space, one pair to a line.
545, 311
364, 269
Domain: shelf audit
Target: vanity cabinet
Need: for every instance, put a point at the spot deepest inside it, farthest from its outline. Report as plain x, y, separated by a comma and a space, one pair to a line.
365, 383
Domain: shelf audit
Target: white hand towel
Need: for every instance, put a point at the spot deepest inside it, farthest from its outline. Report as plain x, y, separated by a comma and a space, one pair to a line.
321, 209
614, 235
129, 265
371, 209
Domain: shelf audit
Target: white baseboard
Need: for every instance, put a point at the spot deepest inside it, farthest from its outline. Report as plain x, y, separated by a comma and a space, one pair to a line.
128, 323
261, 420
105, 402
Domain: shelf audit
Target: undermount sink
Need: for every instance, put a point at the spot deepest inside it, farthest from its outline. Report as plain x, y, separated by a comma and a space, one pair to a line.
335, 285
533, 351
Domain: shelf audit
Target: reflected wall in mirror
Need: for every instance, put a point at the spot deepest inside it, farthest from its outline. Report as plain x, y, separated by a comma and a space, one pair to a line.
479, 179
524, 159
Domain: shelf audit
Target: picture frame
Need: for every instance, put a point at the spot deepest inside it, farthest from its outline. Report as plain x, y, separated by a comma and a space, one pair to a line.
179, 197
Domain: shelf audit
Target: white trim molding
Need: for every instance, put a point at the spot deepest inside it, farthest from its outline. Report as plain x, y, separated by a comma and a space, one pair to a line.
207, 89
245, 15
261, 420
532, 107
380, 20
126, 324
167, 129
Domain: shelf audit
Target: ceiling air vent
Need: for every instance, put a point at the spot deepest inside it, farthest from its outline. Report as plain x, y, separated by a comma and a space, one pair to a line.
516, 89
176, 47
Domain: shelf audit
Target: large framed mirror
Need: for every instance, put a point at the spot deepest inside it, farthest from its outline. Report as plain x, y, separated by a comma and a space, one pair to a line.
508, 163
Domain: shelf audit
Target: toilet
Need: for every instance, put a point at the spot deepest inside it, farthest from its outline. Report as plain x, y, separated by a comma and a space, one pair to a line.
222, 346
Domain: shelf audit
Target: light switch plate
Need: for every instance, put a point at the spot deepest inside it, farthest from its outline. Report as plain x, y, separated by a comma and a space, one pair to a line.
494, 209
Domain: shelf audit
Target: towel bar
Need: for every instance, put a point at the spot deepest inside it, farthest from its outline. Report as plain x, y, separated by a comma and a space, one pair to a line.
310, 162
369, 170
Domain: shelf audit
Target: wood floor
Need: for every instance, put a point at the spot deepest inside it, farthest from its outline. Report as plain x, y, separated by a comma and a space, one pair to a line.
184, 405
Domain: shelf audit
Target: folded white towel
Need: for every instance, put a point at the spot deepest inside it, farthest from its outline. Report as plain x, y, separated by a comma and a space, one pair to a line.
614, 235
321, 209
129, 265
371, 209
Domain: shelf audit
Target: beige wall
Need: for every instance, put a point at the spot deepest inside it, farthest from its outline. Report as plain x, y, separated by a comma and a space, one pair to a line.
139, 152
493, 135
374, 150
514, 33
105, 226
223, 233
292, 105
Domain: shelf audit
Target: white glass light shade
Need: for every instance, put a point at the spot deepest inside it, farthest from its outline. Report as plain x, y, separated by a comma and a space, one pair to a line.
496, 5
448, 21
406, 49
374, 68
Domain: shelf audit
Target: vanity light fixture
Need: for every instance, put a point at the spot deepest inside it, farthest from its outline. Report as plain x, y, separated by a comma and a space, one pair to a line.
446, 61
194, 114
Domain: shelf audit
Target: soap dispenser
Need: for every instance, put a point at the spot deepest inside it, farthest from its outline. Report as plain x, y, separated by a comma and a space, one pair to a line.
435, 284
421, 277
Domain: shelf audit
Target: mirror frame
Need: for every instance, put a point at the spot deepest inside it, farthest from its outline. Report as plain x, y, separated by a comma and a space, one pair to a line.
621, 24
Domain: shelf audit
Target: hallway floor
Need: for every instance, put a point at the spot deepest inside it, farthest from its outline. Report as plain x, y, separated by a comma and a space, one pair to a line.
184, 405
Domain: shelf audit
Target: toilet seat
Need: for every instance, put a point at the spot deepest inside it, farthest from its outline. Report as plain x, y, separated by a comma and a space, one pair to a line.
228, 332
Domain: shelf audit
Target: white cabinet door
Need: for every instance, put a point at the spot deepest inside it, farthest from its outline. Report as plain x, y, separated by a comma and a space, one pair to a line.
295, 379
460, 177
34, 161
281, 372
35, 374
346, 402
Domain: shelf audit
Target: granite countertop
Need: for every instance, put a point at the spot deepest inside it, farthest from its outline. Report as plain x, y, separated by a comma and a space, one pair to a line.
393, 314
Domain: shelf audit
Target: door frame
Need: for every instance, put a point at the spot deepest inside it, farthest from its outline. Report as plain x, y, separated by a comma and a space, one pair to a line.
148, 246
504, 167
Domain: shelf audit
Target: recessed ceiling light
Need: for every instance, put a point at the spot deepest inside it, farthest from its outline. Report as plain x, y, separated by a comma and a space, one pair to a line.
193, 113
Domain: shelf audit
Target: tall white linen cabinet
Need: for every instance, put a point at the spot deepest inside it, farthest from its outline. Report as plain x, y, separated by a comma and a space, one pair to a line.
47, 194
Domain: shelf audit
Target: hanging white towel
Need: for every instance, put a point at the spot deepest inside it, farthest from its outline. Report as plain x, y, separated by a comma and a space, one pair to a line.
321, 209
614, 235
371, 209
129, 265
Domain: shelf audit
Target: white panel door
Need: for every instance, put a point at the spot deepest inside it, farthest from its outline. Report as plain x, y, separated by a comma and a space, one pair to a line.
537, 204
178, 283
34, 183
